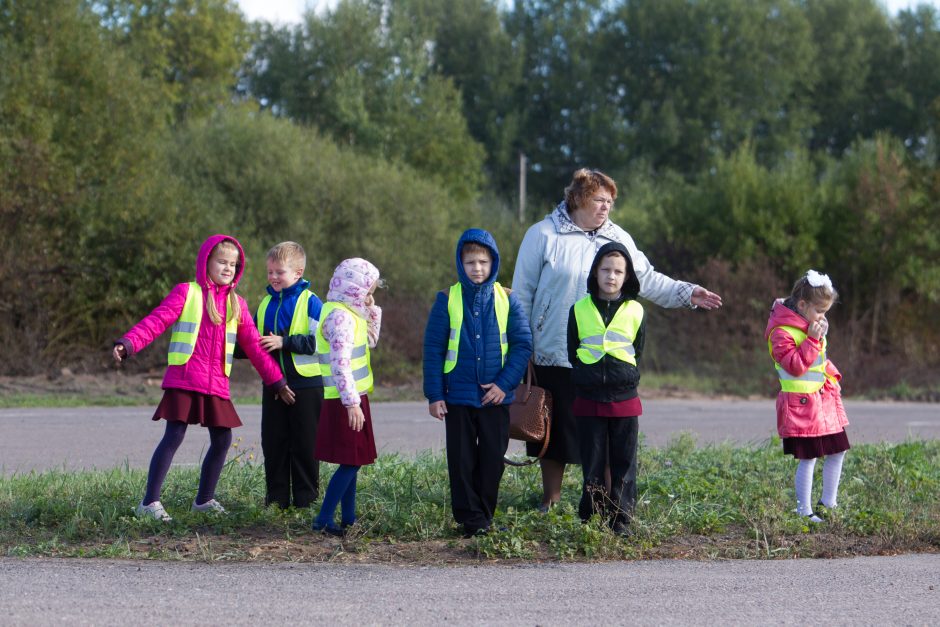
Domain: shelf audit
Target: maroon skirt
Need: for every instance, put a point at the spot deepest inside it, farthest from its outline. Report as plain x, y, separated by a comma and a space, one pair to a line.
818, 446
196, 408
337, 443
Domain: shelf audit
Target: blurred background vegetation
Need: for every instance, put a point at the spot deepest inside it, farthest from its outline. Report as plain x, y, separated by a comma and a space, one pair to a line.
751, 139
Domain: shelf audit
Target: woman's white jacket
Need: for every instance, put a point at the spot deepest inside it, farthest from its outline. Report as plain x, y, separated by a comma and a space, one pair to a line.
551, 274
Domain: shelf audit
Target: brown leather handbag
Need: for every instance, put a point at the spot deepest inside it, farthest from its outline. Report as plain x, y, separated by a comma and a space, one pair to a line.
530, 416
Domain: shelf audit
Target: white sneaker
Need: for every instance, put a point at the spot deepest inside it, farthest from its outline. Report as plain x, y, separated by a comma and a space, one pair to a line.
154, 510
212, 506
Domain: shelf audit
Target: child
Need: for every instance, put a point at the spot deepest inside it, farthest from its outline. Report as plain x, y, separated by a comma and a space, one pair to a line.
349, 326
810, 416
287, 321
606, 334
476, 346
207, 317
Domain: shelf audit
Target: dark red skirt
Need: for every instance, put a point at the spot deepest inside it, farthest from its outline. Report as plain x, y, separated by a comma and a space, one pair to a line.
616, 409
195, 408
819, 446
337, 443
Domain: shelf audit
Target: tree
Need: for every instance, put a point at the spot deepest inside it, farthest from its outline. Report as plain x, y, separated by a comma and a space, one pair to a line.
79, 174
366, 80
194, 47
694, 80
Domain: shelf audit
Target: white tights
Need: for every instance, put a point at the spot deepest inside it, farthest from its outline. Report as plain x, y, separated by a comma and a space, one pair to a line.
832, 473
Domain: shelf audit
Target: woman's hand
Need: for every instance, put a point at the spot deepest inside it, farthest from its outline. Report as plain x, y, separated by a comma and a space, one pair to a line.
438, 409
494, 395
705, 299
356, 417
119, 353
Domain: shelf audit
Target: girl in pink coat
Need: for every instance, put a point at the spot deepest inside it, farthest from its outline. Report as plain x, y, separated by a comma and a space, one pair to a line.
208, 317
810, 416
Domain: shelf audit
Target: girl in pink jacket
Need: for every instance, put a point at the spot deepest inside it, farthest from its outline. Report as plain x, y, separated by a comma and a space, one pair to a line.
810, 416
208, 317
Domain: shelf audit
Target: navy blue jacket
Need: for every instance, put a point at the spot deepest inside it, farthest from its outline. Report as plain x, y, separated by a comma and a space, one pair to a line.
479, 359
277, 320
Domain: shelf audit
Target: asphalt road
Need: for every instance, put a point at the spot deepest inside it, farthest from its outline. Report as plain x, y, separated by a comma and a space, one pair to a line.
902, 590
863, 591
107, 437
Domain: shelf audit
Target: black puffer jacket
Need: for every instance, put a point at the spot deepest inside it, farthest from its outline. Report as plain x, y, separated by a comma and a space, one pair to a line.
610, 379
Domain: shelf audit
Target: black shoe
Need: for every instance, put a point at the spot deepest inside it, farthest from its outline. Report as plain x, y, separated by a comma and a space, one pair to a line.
475, 532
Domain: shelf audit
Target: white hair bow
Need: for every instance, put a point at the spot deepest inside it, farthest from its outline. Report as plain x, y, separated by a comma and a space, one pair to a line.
816, 279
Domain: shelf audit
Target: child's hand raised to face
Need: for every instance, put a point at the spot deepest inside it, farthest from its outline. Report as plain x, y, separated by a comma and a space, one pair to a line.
818, 328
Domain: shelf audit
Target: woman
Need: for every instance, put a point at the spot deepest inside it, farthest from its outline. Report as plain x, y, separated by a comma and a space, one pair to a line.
551, 274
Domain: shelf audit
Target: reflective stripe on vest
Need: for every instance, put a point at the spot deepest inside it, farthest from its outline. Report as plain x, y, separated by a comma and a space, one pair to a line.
359, 361
815, 376
615, 340
186, 329
300, 324
455, 312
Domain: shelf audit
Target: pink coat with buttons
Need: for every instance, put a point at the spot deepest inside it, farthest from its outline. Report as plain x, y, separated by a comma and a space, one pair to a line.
801, 415
205, 370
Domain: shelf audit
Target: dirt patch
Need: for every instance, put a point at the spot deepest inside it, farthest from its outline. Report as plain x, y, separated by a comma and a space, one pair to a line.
263, 546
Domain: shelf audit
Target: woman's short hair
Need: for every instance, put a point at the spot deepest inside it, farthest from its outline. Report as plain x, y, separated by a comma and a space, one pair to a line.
584, 184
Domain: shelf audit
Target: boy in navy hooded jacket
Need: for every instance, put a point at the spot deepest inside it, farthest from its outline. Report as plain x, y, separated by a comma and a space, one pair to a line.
476, 347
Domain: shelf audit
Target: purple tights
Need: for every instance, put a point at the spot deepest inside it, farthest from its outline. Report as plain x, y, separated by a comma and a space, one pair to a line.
220, 439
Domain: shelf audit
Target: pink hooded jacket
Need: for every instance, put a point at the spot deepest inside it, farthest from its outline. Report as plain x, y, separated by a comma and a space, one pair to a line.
205, 370
803, 415
351, 282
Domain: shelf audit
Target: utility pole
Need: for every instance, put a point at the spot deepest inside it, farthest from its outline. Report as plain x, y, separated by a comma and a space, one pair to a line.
522, 169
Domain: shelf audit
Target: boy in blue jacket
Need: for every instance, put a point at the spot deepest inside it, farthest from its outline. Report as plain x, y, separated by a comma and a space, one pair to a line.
287, 320
476, 346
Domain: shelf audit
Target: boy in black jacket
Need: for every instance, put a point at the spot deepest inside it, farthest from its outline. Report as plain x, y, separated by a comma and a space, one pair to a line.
606, 332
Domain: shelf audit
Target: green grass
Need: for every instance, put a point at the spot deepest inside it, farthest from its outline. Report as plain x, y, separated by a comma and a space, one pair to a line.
716, 501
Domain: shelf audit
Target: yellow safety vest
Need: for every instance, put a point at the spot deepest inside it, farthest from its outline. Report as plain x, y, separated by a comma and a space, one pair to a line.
815, 376
359, 360
615, 340
455, 311
300, 324
186, 329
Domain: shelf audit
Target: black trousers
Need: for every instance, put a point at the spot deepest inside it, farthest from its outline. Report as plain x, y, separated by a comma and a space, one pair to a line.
477, 439
613, 440
288, 437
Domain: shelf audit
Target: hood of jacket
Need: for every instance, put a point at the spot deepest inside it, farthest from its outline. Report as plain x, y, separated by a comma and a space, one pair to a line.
631, 284
352, 281
202, 260
781, 315
477, 236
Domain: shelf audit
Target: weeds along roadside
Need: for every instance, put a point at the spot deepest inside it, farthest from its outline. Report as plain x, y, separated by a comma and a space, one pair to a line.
710, 502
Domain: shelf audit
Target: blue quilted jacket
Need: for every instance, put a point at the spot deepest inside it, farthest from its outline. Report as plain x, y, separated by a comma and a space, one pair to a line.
479, 359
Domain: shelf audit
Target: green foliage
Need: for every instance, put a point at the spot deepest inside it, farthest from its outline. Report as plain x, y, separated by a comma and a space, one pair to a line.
716, 501
279, 182
361, 75
193, 48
